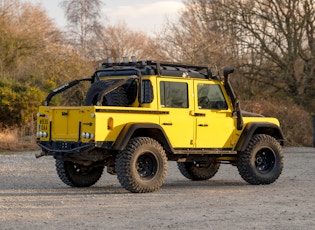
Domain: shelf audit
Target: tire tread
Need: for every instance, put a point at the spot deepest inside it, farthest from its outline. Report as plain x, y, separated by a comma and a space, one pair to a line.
124, 167
245, 168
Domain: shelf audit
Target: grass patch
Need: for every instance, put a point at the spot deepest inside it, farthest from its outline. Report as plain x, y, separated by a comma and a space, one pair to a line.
13, 139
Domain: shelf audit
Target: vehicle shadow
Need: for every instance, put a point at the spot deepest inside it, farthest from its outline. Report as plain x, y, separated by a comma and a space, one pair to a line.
168, 187
207, 184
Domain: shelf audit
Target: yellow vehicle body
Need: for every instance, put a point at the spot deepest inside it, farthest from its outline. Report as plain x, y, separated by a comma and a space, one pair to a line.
189, 127
138, 115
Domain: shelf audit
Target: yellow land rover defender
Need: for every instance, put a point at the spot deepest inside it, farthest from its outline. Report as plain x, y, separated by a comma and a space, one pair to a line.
137, 115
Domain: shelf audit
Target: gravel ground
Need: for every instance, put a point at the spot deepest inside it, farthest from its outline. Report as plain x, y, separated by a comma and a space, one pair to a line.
33, 197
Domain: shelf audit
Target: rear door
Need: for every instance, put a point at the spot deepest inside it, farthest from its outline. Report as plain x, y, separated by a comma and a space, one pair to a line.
176, 103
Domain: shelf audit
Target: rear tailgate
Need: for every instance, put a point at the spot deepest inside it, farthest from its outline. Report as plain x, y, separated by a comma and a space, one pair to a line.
62, 123
66, 124
88, 124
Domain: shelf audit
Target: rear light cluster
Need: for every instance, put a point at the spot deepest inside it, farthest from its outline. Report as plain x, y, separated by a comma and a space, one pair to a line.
87, 135
41, 134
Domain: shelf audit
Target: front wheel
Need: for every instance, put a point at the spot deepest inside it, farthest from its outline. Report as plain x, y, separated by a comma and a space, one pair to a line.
142, 166
262, 160
76, 175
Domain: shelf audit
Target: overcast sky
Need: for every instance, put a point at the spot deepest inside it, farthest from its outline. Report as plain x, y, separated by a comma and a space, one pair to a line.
138, 14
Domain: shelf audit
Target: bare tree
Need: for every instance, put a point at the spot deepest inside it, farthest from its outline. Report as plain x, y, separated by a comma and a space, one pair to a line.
276, 40
198, 37
120, 41
25, 30
84, 18
271, 42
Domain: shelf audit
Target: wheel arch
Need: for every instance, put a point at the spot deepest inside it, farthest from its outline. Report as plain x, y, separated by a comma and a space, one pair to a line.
152, 130
254, 128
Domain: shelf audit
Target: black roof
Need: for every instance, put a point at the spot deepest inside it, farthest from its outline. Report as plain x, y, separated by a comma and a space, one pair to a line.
150, 67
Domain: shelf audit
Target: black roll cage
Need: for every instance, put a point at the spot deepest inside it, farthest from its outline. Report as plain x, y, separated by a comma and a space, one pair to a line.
63, 88
152, 67
103, 93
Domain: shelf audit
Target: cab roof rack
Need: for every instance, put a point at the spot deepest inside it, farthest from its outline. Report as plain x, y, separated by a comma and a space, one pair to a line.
157, 68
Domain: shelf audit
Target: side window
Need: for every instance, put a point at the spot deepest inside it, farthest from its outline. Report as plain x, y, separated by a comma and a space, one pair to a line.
147, 91
211, 97
131, 87
174, 94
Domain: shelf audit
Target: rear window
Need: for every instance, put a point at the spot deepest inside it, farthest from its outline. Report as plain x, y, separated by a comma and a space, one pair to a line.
174, 94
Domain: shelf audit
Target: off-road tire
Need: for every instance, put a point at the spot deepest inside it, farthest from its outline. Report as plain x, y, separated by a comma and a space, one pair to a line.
198, 171
142, 166
262, 160
117, 97
75, 175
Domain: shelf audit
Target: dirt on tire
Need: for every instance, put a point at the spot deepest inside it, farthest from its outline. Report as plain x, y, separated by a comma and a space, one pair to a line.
33, 197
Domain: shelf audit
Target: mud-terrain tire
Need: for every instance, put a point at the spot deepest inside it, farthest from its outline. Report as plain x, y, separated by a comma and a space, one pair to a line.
198, 171
76, 175
142, 166
117, 97
262, 160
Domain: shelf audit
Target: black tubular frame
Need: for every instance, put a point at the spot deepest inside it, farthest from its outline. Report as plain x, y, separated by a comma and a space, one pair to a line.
63, 88
158, 68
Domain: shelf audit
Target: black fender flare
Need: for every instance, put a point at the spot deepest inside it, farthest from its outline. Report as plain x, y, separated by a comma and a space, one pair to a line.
141, 129
258, 128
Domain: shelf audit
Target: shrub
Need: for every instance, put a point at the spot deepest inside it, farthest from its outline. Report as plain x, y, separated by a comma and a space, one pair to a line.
18, 102
296, 123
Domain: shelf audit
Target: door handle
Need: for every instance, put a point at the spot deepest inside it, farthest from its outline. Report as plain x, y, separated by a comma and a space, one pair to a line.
198, 114
167, 123
203, 125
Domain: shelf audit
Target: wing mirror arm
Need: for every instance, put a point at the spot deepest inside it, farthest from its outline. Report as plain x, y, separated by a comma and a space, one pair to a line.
237, 110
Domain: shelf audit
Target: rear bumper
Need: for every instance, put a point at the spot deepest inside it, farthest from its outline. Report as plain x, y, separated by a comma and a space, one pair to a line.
64, 149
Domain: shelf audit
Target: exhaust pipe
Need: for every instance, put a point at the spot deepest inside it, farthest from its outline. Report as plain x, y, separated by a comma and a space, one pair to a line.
42, 154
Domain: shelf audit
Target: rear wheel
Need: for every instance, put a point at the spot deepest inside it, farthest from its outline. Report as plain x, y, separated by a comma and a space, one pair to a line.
198, 170
142, 166
262, 160
77, 175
